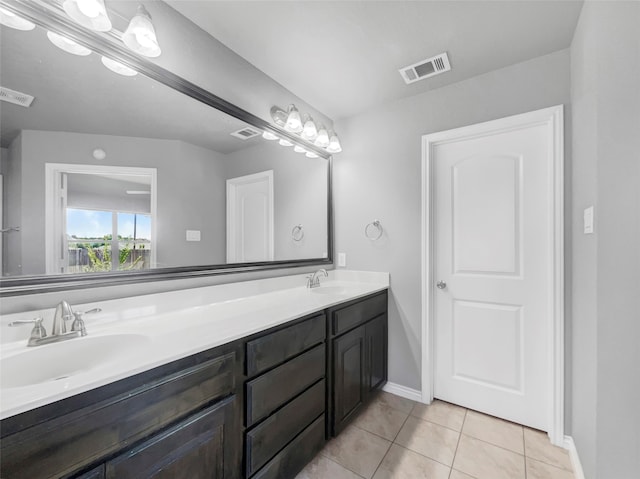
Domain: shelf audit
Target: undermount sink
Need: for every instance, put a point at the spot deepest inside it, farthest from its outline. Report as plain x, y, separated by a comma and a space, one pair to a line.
59, 361
330, 290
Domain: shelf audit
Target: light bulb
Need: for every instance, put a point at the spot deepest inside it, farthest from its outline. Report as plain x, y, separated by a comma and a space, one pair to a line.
90, 8
334, 144
267, 135
299, 149
118, 67
67, 45
311, 154
140, 35
284, 142
294, 122
91, 14
323, 138
309, 131
11, 20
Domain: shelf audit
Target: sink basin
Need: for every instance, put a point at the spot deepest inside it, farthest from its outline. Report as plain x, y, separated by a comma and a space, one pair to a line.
59, 361
330, 290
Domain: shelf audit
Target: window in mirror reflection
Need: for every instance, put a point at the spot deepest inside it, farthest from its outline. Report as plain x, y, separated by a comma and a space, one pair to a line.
107, 241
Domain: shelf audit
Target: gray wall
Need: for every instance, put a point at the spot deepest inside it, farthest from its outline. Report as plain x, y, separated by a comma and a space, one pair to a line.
12, 206
190, 191
379, 177
605, 72
300, 195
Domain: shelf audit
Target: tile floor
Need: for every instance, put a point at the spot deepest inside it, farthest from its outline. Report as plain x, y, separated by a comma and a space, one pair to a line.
398, 438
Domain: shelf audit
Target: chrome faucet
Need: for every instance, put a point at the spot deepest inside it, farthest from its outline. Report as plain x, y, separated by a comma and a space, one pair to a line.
313, 280
63, 313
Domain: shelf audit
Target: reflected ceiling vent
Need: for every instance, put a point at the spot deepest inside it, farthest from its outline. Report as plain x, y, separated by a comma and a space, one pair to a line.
425, 68
246, 133
15, 97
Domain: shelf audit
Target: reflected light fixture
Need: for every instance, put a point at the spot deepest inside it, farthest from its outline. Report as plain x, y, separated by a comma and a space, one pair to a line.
68, 45
334, 144
140, 36
311, 154
118, 67
11, 20
267, 135
91, 14
284, 142
299, 149
322, 140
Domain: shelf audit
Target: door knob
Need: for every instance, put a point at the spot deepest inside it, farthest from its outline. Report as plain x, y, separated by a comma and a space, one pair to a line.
441, 284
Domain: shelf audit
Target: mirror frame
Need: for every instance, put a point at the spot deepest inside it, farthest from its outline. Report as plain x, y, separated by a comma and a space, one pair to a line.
49, 15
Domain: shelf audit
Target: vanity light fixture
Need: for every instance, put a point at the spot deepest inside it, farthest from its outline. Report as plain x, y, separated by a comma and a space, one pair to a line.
140, 36
290, 121
91, 14
322, 140
294, 122
11, 20
334, 144
68, 45
311, 154
118, 67
309, 130
299, 149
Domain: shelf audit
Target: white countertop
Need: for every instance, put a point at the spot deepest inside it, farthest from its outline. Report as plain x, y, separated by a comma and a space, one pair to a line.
156, 329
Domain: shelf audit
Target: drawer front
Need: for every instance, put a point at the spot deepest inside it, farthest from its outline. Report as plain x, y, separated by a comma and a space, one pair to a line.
68, 443
271, 390
270, 350
271, 435
351, 316
192, 449
297, 454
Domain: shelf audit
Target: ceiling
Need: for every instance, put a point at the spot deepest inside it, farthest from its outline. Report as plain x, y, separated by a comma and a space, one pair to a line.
343, 57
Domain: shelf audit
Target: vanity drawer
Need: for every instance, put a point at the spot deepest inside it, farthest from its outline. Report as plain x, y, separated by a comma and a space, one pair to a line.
69, 442
271, 390
274, 348
349, 317
271, 435
297, 454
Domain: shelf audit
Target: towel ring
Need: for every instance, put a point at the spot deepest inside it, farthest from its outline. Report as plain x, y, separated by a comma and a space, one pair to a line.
297, 233
373, 231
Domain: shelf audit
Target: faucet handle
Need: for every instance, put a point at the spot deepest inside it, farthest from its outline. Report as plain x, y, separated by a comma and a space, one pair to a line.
78, 322
38, 331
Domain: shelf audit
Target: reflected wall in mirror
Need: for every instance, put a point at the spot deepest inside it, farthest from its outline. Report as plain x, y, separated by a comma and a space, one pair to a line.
104, 173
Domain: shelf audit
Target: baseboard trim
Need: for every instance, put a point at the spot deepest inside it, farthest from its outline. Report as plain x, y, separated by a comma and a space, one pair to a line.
570, 446
403, 391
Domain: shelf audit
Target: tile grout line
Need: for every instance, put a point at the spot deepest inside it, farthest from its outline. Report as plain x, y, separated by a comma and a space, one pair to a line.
455, 453
343, 467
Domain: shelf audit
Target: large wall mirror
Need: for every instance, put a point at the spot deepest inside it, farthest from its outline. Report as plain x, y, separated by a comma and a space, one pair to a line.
108, 178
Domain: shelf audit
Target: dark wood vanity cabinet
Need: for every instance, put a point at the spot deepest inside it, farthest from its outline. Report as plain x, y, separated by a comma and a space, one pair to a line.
359, 356
260, 407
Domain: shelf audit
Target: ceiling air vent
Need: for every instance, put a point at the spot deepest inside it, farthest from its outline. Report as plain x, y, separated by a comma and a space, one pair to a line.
425, 68
246, 133
15, 97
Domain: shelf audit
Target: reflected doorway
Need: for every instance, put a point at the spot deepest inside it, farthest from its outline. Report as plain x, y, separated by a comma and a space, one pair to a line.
100, 218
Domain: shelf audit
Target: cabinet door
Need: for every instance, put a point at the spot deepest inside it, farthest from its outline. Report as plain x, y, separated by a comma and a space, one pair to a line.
376, 339
349, 366
203, 446
97, 473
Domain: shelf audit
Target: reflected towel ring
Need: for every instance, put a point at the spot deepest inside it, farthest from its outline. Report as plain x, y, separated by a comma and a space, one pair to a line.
373, 231
297, 233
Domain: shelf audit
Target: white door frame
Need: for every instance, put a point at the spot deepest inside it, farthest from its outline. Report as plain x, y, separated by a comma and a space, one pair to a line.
232, 184
553, 118
53, 172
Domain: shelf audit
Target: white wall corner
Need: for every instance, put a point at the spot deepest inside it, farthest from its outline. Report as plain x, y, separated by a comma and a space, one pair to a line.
570, 446
403, 391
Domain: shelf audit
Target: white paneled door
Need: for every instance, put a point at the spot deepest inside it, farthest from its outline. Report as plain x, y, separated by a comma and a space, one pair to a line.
491, 222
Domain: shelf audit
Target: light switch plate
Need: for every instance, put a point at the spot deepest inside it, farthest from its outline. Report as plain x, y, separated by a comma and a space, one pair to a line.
342, 260
193, 235
588, 220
